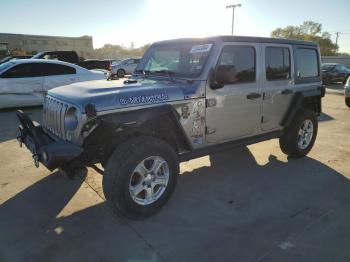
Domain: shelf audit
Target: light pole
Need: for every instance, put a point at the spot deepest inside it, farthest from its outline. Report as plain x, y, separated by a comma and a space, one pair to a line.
233, 13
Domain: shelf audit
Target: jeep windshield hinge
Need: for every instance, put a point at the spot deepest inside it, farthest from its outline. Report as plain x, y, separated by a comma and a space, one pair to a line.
210, 102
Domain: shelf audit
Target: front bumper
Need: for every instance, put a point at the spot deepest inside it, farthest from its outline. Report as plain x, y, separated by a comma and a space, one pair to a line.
45, 150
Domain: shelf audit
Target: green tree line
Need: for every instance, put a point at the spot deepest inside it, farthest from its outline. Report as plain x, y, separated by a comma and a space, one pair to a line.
117, 51
309, 31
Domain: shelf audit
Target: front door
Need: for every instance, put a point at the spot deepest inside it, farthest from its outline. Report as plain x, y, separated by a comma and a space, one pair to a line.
130, 66
233, 111
21, 85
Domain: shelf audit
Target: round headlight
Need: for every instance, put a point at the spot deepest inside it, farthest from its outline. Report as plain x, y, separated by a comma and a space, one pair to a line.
71, 119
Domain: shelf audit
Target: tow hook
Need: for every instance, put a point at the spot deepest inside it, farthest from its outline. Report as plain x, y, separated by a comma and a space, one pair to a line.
36, 160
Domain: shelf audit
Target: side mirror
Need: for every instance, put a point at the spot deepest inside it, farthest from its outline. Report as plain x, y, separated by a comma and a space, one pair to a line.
222, 75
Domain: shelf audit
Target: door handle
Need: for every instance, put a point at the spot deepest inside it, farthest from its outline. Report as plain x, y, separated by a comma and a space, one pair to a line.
286, 92
253, 96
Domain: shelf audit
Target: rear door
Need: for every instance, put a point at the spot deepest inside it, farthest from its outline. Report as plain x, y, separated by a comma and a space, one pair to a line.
343, 73
277, 82
130, 66
58, 75
22, 85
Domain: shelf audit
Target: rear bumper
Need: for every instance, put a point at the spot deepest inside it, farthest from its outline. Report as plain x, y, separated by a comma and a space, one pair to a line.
45, 150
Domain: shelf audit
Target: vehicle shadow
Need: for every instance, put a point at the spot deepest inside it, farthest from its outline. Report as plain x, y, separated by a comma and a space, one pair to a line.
336, 86
33, 228
234, 210
240, 210
9, 122
325, 117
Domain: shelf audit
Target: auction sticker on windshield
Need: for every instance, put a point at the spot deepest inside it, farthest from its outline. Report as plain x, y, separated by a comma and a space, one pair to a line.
200, 48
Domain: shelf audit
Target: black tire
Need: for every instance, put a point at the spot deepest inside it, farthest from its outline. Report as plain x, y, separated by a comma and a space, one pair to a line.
328, 80
120, 168
121, 73
289, 141
347, 101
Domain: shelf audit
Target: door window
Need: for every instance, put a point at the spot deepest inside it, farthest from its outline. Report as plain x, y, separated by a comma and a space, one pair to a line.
277, 63
57, 69
24, 70
343, 68
307, 62
241, 60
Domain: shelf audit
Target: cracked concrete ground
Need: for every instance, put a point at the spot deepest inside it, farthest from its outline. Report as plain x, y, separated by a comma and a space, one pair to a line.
246, 204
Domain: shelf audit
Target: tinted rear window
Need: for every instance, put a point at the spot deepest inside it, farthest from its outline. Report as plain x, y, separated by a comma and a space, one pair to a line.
56, 69
24, 70
307, 62
277, 63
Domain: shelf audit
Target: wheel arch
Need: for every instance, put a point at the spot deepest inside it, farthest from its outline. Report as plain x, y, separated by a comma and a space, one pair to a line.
113, 129
303, 100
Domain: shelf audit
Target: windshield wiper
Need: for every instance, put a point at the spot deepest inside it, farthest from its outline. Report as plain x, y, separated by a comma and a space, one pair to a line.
145, 73
168, 72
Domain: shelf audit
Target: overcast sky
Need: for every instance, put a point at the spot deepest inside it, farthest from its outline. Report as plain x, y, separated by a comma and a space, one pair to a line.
146, 21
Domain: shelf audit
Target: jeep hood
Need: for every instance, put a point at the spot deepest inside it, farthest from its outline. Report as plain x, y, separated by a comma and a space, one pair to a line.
109, 95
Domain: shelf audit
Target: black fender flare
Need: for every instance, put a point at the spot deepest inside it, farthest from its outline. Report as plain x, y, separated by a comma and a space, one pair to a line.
136, 119
297, 104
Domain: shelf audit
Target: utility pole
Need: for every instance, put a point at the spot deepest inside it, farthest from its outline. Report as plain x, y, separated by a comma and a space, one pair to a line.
337, 36
233, 14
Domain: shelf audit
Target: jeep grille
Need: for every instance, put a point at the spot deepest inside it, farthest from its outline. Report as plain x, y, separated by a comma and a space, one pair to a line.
54, 111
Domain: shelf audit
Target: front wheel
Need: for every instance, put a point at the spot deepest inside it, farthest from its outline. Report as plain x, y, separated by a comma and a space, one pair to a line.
347, 101
300, 136
140, 177
121, 73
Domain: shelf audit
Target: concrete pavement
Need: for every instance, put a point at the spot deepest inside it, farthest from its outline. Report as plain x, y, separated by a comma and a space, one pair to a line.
246, 204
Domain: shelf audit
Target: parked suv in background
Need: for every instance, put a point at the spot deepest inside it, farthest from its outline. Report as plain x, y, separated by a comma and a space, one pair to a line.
332, 72
187, 98
66, 56
97, 64
124, 67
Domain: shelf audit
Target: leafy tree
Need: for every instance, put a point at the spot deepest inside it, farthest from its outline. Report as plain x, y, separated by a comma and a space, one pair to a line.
309, 31
118, 52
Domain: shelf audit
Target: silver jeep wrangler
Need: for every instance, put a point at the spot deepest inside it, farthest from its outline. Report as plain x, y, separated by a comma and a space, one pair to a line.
187, 98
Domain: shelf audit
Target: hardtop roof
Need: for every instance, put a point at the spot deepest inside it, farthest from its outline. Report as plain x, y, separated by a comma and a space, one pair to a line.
252, 39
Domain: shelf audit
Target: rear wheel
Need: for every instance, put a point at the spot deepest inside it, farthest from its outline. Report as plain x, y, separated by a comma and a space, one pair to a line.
300, 136
347, 101
140, 177
328, 80
121, 73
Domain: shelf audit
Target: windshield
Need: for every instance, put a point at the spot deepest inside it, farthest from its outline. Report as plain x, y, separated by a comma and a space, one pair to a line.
327, 67
178, 59
5, 66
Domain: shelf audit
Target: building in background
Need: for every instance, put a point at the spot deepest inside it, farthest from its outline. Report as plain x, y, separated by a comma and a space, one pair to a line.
344, 60
32, 44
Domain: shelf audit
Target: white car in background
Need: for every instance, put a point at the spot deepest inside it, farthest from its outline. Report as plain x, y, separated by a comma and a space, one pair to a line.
124, 67
25, 82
